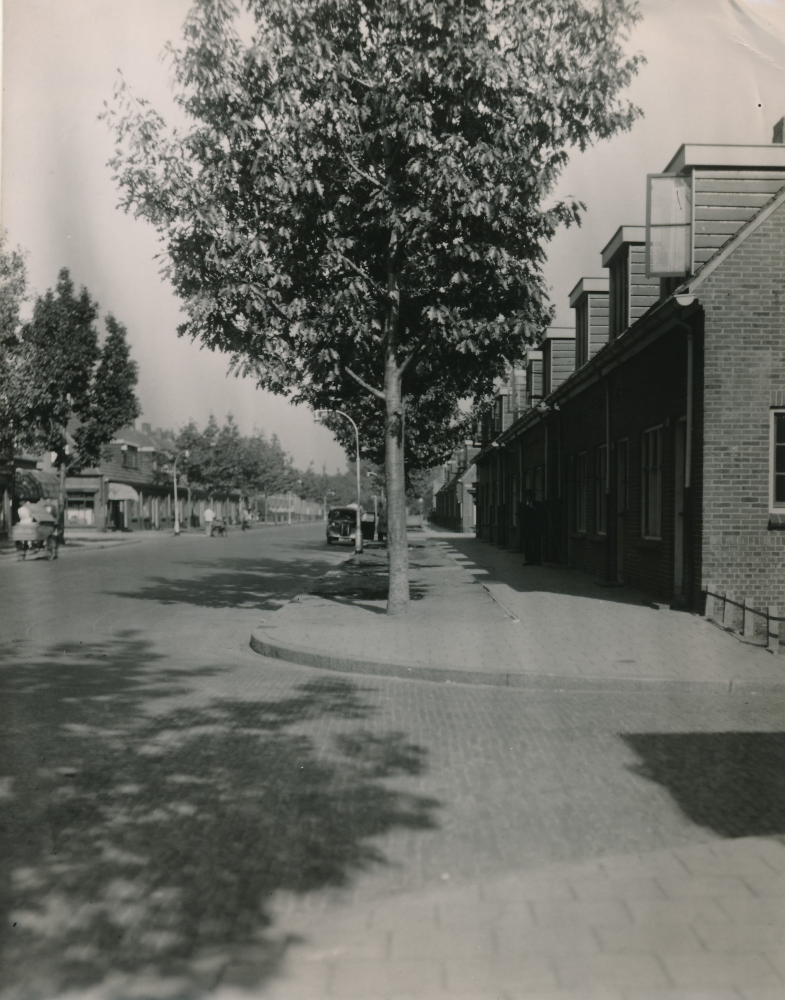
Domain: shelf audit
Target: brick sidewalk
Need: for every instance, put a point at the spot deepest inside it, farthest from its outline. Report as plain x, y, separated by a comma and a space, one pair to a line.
703, 922
480, 616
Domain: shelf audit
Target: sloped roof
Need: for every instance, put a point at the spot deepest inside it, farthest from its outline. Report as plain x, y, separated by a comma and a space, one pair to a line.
139, 439
727, 248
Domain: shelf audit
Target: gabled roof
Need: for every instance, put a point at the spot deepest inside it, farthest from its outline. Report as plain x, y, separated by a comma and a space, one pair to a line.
135, 438
697, 279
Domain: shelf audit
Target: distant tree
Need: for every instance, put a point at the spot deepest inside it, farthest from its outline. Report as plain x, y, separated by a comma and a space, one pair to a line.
64, 378
220, 459
111, 401
359, 212
13, 293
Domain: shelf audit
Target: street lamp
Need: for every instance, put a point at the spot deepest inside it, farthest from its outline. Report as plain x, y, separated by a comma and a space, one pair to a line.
187, 453
358, 531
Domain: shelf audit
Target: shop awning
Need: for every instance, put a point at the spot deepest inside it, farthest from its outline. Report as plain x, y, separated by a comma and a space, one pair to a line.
121, 491
32, 484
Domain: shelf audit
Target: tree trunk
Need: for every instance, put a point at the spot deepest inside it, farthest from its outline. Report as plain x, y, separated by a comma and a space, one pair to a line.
397, 548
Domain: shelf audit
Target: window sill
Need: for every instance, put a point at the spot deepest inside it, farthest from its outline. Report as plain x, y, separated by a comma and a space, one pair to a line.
648, 543
599, 538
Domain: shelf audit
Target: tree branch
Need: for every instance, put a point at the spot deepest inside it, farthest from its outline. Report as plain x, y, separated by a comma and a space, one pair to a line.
360, 173
359, 271
419, 344
376, 392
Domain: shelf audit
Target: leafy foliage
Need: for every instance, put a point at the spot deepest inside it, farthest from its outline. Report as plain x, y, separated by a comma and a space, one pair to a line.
13, 292
63, 377
358, 211
221, 459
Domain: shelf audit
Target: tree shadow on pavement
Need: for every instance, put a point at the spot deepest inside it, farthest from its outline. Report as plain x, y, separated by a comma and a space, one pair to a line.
146, 838
511, 569
731, 782
231, 583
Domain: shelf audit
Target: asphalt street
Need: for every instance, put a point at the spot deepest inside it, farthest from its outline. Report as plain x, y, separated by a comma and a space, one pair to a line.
167, 794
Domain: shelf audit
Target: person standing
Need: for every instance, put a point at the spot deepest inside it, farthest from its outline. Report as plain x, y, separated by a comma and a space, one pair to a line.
209, 517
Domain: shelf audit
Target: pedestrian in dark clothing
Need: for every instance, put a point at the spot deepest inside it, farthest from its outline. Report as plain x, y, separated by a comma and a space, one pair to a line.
533, 519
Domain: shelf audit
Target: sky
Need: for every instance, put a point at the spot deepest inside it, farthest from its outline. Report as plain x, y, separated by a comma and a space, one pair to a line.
715, 73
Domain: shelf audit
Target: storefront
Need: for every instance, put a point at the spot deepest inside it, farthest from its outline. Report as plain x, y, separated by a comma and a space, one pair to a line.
122, 506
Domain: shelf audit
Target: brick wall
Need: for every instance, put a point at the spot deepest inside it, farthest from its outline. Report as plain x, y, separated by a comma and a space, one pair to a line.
744, 304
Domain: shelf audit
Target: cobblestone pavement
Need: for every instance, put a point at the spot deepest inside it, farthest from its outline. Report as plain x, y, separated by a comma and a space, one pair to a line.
185, 818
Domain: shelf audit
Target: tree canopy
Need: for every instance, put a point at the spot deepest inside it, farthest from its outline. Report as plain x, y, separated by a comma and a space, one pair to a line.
66, 385
221, 459
358, 210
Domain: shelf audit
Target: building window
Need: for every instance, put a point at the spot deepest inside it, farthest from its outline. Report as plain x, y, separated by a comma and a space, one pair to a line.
600, 494
622, 477
581, 334
651, 481
619, 294
778, 458
129, 457
580, 492
81, 512
539, 484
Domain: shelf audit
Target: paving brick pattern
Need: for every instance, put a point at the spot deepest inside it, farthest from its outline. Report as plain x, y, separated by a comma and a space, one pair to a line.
481, 611
184, 818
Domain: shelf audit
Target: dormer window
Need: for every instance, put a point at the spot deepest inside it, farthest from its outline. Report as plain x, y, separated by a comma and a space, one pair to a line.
533, 378
558, 357
589, 299
630, 292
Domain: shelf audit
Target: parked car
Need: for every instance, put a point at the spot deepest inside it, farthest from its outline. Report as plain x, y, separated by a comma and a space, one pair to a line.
342, 521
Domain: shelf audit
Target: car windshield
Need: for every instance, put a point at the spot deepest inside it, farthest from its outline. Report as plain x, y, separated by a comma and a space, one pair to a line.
342, 514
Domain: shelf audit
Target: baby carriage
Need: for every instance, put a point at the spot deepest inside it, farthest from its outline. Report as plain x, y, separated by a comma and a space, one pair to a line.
37, 535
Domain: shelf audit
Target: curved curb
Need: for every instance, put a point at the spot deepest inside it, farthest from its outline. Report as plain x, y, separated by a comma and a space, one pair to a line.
308, 656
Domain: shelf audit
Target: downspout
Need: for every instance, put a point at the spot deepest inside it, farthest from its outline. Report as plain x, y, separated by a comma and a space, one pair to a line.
689, 568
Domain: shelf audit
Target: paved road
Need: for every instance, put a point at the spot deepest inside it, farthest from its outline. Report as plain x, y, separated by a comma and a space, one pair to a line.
175, 804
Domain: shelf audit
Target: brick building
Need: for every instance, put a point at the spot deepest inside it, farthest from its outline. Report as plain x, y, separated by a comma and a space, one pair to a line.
660, 460
131, 490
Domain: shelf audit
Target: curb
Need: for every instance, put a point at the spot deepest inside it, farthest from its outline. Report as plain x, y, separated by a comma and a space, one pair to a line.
308, 656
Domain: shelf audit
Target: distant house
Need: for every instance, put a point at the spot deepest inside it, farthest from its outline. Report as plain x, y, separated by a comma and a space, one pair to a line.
130, 489
454, 500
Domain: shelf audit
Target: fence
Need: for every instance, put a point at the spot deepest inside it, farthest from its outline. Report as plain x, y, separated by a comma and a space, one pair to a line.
739, 616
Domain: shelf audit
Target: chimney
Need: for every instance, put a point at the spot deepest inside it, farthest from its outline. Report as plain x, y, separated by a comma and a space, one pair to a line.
779, 131
146, 429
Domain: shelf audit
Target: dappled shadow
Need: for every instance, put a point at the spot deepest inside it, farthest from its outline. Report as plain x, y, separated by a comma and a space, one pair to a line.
505, 566
146, 838
733, 783
259, 584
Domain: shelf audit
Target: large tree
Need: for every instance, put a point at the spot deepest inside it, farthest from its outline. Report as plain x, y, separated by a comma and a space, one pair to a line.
221, 459
357, 209
13, 293
70, 394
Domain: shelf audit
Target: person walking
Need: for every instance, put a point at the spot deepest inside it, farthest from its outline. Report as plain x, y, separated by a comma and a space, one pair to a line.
209, 517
